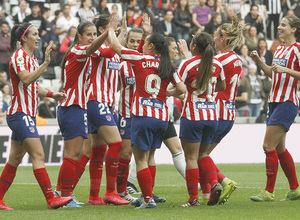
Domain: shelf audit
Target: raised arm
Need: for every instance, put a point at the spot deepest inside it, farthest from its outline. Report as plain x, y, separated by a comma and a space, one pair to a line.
114, 42
123, 34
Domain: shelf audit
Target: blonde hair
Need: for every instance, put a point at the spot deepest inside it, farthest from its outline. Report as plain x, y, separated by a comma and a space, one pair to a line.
233, 32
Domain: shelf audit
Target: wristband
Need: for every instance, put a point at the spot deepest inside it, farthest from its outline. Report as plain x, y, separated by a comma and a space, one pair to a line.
49, 94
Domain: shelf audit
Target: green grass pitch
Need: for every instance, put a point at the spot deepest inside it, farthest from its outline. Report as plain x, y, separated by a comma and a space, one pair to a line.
26, 198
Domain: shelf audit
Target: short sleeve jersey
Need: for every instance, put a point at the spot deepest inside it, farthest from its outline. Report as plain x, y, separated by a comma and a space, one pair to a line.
150, 94
24, 98
284, 87
199, 104
232, 65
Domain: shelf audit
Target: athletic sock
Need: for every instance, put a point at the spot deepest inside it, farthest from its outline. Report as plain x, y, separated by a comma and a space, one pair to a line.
192, 178
96, 168
145, 181
288, 167
111, 166
67, 173
132, 172
221, 177
42, 177
179, 162
122, 175
153, 173
80, 167
6, 179
209, 168
271, 169
204, 184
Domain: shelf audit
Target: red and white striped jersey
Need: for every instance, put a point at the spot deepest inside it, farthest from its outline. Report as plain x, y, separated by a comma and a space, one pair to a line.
24, 98
127, 88
77, 66
284, 87
232, 65
103, 80
150, 95
199, 104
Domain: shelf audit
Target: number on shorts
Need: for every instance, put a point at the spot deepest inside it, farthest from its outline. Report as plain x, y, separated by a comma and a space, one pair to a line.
103, 110
122, 122
150, 80
28, 120
85, 119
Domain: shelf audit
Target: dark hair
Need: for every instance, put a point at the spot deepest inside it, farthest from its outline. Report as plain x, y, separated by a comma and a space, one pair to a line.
204, 43
186, 8
170, 40
168, 10
165, 67
4, 22
16, 33
66, 5
135, 30
45, 9
294, 21
80, 30
101, 21
253, 6
56, 13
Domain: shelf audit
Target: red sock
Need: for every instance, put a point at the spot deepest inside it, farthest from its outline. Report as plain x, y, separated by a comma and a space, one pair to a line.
205, 185
145, 181
192, 178
111, 166
42, 177
96, 168
67, 174
80, 167
6, 179
220, 175
58, 186
288, 167
122, 175
153, 173
209, 168
271, 169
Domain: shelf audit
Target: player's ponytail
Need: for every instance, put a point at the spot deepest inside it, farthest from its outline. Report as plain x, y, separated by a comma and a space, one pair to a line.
17, 33
204, 43
165, 67
80, 30
294, 21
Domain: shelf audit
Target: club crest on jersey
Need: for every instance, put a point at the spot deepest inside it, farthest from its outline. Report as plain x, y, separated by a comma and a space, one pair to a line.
108, 118
31, 129
285, 52
280, 61
205, 105
229, 105
113, 65
130, 80
152, 103
150, 64
20, 61
237, 63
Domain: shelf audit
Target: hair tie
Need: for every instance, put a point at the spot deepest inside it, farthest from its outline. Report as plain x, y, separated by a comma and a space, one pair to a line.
25, 32
88, 25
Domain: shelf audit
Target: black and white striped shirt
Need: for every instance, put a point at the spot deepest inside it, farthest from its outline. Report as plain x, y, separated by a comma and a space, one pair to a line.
273, 6
89, 15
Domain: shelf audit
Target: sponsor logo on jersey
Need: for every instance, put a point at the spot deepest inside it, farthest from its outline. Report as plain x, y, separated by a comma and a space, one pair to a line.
237, 63
113, 65
20, 61
205, 105
280, 61
152, 103
229, 105
150, 64
130, 80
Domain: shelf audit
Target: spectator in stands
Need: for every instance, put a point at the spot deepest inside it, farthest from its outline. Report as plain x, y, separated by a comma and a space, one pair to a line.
6, 95
241, 101
214, 23
233, 4
251, 39
40, 3
3, 78
68, 40
211, 4
183, 20
161, 10
74, 6
166, 27
5, 17
294, 5
273, 8
218, 7
86, 11
57, 14
133, 20
4, 47
201, 14
2, 112
64, 23
20, 12
149, 9
246, 59
254, 19
264, 54
47, 108
102, 7
133, 4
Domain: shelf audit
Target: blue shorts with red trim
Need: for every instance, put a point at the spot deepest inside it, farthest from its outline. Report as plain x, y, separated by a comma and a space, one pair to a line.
147, 133
224, 126
99, 114
72, 121
124, 125
198, 131
282, 113
23, 126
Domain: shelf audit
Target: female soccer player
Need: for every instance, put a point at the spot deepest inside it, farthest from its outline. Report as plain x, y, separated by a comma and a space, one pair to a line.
203, 76
76, 65
283, 107
24, 73
228, 36
150, 114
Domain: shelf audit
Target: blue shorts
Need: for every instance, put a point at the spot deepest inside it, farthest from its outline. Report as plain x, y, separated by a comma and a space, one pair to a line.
147, 133
99, 114
198, 131
124, 125
224, 126
72, 121
23, 126
282, 113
